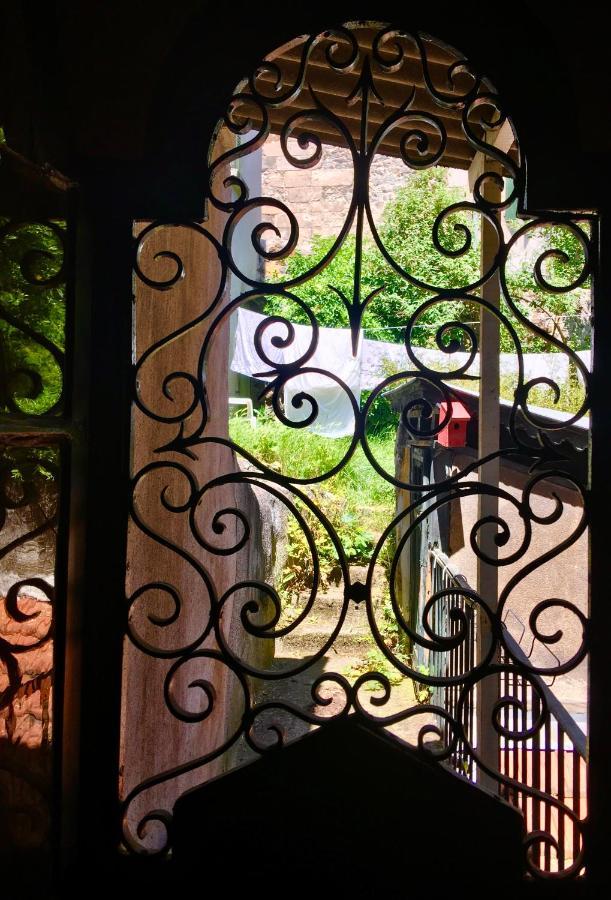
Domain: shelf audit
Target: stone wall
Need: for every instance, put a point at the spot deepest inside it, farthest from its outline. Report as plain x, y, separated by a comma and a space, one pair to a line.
319, 197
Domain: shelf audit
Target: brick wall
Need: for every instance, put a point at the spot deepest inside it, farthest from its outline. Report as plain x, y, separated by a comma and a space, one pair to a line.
25, 731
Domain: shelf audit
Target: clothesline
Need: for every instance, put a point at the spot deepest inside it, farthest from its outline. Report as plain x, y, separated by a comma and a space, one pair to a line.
427, 326
402, 327
375, 360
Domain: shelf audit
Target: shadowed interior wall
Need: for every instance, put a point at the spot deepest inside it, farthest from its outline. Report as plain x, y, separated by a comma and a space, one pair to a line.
146, 714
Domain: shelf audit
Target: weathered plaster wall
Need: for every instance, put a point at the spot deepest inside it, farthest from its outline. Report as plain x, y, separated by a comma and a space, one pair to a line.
565, 576
26, 719
26, 731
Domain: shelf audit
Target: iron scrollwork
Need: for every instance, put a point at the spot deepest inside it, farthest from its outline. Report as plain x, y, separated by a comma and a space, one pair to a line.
32, 316
422, 143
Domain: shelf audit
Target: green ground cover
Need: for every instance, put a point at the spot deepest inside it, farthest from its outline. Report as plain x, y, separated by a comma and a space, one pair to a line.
357, 501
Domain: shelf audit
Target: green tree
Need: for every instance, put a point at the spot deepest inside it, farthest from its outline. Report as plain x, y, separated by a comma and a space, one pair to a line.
406, 231
562, 315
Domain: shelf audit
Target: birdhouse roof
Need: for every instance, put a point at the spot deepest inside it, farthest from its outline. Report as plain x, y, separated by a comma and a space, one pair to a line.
460, 413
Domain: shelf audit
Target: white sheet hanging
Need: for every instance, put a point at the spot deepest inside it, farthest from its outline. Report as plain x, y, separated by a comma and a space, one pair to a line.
335, 410
333, 354
373, 362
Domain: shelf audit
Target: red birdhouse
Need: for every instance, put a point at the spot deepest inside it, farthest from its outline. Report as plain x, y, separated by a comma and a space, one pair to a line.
454, 434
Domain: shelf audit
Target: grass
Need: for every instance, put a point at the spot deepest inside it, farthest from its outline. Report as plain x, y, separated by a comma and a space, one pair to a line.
298, 453
570, 400
357, 501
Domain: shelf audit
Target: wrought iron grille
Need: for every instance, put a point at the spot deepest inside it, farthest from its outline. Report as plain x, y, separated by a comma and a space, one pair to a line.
461, 658
189, 668
551, 762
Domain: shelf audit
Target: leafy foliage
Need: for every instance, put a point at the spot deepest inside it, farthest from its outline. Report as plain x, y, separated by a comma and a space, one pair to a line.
356, 540
30, 375
29, 476
563, 315
354, 495
375, 661
406, 230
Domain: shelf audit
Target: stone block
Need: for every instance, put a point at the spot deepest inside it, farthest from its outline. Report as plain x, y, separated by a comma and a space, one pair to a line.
285, 166
308, 195
272, 147
337, 195
272, 179
298, 178
328, 177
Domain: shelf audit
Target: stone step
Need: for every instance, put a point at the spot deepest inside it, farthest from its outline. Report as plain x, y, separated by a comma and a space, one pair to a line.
307, 641
327, 610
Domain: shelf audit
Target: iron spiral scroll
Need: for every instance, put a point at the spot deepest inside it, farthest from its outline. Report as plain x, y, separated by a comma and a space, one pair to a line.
184, 407
33, 261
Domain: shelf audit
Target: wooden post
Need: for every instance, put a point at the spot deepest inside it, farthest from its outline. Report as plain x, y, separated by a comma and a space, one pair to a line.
145, 711
489, 473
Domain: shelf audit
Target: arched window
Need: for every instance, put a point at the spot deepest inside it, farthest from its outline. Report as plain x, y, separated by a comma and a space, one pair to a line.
398, 532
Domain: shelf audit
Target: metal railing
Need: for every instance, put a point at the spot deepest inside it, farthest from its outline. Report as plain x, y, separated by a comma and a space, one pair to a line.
551, 761
443, 577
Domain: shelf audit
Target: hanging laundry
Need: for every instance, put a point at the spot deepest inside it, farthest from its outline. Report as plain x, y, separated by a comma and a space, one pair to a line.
333, 354
374, 361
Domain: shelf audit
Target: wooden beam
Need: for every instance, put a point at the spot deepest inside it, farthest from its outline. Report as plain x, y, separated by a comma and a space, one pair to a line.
455, 149
489, 473
393, 90
503, 140
378, 113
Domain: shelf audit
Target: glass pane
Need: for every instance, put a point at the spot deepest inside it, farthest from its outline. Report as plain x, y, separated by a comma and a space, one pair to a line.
29, 491
32, 316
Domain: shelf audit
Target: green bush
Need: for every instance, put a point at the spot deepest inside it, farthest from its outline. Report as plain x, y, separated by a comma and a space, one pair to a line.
406, 232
